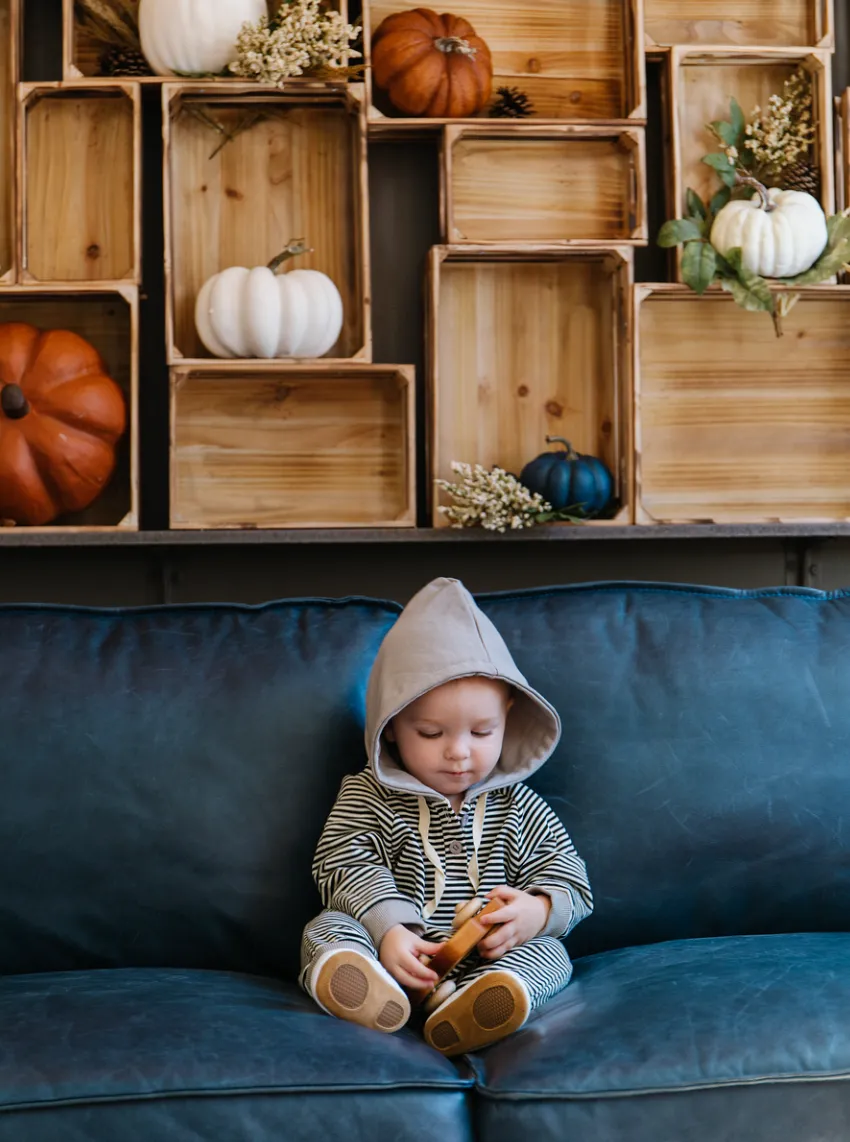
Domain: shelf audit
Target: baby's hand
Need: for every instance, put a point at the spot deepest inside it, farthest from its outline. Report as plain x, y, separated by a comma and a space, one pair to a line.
523, 917
399, 953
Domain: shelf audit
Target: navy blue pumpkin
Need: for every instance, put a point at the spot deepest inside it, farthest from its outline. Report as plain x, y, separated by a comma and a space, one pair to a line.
570, 479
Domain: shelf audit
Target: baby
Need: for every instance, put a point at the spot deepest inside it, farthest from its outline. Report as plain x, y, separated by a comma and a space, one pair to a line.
440, 815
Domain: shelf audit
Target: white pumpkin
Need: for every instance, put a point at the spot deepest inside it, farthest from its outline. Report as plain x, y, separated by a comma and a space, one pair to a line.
258, 313
191, 36
779, 237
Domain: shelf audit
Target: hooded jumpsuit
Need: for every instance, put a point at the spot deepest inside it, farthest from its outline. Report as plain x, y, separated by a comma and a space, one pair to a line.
394, 851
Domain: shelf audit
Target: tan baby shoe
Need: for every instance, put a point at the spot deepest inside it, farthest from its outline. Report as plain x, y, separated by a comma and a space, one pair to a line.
493, 1006
353, 986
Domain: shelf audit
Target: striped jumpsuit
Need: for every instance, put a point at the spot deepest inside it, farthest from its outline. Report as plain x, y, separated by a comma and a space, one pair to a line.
388, 856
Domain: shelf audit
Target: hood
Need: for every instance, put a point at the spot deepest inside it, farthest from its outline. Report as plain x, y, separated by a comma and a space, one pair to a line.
442, 635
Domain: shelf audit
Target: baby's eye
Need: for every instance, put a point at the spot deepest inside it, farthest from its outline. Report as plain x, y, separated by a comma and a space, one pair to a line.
481, 733
430, 736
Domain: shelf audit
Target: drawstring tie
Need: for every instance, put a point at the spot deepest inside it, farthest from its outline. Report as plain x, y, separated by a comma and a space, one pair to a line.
434, 857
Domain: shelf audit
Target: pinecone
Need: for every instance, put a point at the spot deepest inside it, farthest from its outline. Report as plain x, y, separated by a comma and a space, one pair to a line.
511, 104
801, 176
124, 61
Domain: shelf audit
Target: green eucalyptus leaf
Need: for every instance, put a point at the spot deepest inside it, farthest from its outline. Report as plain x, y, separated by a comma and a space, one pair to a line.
678, 230
737, 119
696, 207
720, 163
758, 287
747, 298
837, 230
699, 265
735, 258
725, 132
719, 200
749, 290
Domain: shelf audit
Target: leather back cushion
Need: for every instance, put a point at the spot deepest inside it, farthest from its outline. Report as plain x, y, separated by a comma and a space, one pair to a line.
165, 773
704, 771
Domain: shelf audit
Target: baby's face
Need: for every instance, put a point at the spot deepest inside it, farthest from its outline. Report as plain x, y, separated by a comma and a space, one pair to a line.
451, 737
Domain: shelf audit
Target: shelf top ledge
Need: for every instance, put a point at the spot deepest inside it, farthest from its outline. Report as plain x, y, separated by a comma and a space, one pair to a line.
554, 533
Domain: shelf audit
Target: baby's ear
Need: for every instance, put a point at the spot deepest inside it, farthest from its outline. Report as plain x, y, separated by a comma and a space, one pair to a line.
389, 732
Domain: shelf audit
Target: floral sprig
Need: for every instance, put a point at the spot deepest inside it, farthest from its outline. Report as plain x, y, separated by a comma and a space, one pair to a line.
302, 39
495, 500
774, 138
773, 141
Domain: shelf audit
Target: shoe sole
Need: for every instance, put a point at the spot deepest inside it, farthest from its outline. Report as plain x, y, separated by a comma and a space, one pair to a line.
494, 1006
352, 987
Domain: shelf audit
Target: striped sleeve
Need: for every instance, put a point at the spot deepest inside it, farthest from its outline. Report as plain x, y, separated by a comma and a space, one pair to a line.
549, 864
352, 864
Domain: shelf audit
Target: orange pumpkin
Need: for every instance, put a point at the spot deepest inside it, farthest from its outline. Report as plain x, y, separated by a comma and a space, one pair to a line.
61, 417
431, 65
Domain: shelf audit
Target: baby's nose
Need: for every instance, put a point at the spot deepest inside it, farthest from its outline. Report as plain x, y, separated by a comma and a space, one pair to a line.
457, 750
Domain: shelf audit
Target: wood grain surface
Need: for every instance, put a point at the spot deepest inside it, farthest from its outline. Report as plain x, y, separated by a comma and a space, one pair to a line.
80, 185
743, 23
735, 424
292, 447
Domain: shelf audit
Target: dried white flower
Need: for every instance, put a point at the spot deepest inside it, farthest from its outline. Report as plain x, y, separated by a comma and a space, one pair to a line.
301, 39
490, 498
784, 132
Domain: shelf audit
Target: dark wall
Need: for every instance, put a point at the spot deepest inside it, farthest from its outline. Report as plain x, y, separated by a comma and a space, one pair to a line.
404, 224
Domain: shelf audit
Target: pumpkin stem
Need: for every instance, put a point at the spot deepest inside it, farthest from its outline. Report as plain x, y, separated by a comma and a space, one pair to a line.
748, 180
292, 250
449, 44
571, 452
13, 402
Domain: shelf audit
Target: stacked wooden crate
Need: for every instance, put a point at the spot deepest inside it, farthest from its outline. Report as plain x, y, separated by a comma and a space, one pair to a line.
535, 325
732, 424
258, 443
271, 443
70, 233
528, 297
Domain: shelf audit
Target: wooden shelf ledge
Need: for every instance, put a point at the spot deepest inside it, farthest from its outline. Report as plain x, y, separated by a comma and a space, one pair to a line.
555, 533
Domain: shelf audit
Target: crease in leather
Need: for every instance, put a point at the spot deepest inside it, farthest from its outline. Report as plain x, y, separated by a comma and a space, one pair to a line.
684, 1016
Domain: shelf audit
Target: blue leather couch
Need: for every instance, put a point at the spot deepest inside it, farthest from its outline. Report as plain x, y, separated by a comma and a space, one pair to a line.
164, 774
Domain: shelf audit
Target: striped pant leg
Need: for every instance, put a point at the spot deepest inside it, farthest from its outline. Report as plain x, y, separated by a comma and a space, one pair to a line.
335, 929
542, 964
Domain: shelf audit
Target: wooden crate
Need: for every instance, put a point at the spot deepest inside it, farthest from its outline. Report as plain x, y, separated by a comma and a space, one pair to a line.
79, 174
543, 184
575, 60
702, 83
10, 40
298, 172
733, 424
108, 318
81, 53
292, 447
745, 23
524, 343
